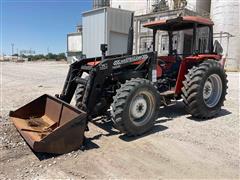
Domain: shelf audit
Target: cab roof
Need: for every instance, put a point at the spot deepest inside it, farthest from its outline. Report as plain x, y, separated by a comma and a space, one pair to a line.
179, 23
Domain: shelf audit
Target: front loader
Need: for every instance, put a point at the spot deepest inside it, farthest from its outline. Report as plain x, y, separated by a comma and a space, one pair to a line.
128, 88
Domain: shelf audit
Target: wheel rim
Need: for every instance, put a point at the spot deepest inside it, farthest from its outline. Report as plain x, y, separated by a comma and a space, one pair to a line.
141, 108
212, 90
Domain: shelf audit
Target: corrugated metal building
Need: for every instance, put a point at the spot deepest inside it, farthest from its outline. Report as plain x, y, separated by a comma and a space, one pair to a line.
225, 15
74, 45
141, 7
138, 6
143, 36
74, 42
105, 26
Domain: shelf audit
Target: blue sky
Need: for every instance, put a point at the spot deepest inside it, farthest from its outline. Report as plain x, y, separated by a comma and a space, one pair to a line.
39, 24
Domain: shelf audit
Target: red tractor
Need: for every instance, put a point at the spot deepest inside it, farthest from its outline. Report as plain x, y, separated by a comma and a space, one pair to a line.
198, 77
130, 88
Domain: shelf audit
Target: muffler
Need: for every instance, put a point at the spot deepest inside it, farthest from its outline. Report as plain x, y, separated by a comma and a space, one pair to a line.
50, 125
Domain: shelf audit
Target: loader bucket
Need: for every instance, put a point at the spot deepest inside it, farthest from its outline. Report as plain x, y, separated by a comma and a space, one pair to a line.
50, 125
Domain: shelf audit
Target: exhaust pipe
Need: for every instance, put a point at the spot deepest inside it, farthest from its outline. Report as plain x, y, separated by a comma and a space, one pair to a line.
130, 37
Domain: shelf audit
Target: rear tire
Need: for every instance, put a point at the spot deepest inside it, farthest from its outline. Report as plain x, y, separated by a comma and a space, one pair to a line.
204, 90
135, 107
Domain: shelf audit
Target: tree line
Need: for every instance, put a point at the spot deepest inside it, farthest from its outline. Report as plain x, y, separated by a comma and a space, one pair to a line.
49, 56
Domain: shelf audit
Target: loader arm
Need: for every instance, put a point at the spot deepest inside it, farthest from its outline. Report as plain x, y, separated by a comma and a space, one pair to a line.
74, 73
93, 97
74, 76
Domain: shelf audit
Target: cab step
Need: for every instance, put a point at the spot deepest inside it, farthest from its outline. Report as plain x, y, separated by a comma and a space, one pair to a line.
168, 98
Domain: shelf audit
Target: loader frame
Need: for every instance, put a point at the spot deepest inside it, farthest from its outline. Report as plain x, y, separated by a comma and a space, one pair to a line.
108, 68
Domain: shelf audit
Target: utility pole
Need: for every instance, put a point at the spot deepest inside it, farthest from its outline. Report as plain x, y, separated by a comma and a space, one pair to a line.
17, 54
12, 48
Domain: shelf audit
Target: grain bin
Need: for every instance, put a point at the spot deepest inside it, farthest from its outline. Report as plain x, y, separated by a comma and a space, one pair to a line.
225, 15
105, 26
100, 3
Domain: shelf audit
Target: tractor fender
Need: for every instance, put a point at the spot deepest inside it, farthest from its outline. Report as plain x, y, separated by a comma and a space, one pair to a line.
193, 60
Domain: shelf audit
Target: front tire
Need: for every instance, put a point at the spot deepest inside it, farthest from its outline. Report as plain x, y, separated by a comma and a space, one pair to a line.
135, 107
204, 90
79, 93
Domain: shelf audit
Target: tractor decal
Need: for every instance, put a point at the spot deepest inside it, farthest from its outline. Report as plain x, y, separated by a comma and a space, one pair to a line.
130, 60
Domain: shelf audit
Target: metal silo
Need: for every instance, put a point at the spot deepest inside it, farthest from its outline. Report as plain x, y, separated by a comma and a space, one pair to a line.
203, 5
225, 15
100, 3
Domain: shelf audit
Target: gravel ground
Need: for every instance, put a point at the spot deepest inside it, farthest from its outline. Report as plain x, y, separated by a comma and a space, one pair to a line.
178, 146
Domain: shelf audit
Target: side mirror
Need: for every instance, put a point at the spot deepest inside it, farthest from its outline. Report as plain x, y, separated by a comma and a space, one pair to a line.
217, 47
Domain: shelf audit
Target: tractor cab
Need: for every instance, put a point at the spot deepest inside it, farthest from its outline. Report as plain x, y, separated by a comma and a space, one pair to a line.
194, 41
197, 31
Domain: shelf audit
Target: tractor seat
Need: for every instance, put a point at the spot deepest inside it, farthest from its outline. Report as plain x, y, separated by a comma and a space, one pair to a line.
170, 64
166, 61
